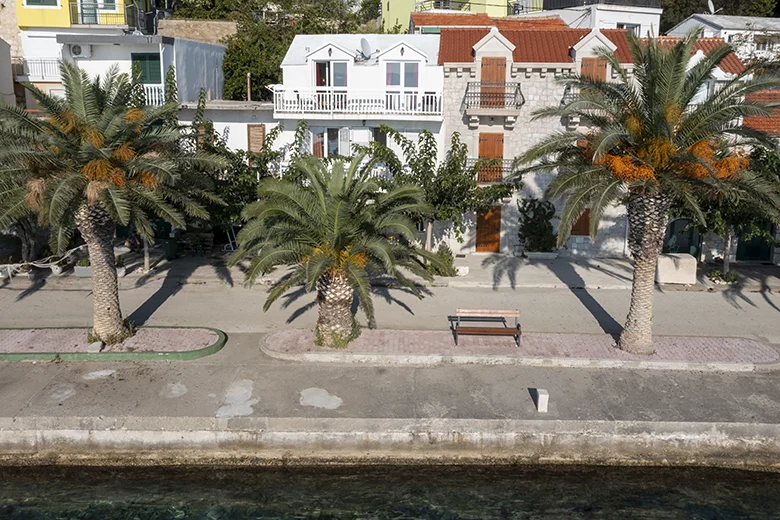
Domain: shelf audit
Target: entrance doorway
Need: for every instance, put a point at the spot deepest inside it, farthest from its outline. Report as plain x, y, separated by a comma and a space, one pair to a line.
489, 231
755, 250
682, 237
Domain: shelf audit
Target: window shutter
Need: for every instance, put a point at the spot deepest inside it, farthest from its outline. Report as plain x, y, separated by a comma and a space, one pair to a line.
255, 138
582, 226
344, 142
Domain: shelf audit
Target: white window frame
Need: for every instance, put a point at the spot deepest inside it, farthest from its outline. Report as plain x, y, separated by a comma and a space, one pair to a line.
330, 73
58, 6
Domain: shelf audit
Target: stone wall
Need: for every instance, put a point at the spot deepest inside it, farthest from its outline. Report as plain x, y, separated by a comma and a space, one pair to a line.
209, 31
540, 90
9, 29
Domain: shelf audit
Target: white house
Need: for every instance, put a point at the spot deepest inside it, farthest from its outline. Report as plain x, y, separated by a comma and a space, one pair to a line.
643, 17
197, 64
752, 37
346, 85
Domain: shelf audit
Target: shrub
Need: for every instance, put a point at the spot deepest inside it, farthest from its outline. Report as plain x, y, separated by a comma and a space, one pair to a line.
446, 264
84, 262
119, 262
535, 226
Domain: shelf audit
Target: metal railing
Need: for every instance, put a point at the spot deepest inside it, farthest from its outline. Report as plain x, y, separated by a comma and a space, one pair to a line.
430, 5
497, 96
103, 13
37, 69
154, 94
491, 170
343, 100
564, 4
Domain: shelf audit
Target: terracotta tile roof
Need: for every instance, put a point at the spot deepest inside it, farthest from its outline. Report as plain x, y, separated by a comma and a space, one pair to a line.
552, 46
424, 19
770, 124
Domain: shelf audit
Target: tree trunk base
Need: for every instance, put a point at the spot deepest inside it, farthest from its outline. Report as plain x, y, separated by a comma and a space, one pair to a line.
635, 346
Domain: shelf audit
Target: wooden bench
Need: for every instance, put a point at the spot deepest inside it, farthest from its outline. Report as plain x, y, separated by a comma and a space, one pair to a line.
487, 316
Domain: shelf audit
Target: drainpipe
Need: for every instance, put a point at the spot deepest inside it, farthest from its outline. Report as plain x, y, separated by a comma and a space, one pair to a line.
249, 86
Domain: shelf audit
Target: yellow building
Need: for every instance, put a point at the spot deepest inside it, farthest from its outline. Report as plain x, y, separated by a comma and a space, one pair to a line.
396, 13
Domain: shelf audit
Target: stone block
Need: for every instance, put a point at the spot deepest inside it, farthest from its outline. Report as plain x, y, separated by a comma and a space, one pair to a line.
95, 348
541, 398
676, 268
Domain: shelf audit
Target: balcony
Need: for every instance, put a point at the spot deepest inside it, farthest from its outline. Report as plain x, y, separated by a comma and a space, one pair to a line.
492, 170
101, 13
345, 103
447, 5
36, 69
493, 99
155, 95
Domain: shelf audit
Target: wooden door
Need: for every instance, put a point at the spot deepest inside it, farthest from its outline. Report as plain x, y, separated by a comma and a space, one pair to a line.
489, 231
594, 68
492, 79
491, 146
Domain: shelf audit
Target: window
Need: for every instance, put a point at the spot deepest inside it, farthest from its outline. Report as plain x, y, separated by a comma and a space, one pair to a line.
151, 71
340, 74
333, 141
322, 73
411, 75
431, 30
582, 226
318, 144
379, 136
108, 5
42, 3
393, 76
633, 27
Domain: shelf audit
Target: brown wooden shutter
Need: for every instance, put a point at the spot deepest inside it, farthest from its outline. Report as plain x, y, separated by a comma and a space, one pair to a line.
582, 226
492, 78
255, 136
491, 146
594, 68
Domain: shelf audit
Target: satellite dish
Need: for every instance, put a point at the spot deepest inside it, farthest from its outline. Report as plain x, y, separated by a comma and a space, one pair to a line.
711, 6
365, 48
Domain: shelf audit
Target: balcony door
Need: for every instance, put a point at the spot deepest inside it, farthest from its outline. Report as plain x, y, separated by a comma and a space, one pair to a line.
88, 12
331, 74
492, 80
402, 81
491, 146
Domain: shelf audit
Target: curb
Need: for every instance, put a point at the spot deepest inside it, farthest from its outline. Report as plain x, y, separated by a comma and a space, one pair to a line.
283, 441
434, 360
120, 356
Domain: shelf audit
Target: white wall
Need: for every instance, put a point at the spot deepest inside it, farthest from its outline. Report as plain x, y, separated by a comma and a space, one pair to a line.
365, 76
607, 16
233, 123
198, 65
105, 56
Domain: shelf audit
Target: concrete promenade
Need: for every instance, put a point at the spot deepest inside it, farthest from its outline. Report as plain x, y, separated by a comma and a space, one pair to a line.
241, 405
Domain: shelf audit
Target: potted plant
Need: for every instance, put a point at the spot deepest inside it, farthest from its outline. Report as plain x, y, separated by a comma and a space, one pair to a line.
83, 268
121, 270
60, 267
535, 229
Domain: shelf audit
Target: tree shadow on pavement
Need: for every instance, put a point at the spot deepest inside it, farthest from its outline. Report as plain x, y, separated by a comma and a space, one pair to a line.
563, 269
177, 273
763, 280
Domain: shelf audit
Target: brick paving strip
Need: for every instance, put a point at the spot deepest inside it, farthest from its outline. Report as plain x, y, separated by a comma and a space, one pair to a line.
146, 339
400, 347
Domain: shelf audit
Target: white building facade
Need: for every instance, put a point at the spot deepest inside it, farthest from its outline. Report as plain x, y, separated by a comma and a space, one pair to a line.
345, 86
753, 38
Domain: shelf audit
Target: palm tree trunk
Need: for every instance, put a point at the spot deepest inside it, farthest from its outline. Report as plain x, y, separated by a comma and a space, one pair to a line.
334, 302
25, 230
647, 217
727, 250
147, 259
97, 229
429, 236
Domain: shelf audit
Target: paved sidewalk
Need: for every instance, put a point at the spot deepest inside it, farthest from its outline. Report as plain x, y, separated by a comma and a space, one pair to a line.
431, 348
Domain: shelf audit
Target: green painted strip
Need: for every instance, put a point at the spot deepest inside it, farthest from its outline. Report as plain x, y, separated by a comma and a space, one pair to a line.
118, 356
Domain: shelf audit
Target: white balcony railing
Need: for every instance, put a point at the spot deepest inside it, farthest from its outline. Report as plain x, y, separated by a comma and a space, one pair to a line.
155, 95
343, 100
37, 69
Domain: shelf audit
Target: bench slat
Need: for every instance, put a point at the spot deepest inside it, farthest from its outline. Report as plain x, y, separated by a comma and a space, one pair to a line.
488, 331
488, 312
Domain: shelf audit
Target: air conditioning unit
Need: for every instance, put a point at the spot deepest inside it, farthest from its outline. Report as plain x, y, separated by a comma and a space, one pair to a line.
78, 50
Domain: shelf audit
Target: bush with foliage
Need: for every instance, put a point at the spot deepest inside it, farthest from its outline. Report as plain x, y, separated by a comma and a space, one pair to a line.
446, 264
535, 226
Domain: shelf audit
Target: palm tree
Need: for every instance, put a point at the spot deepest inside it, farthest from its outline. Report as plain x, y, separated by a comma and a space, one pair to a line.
90, 162
336, 228
649, 145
